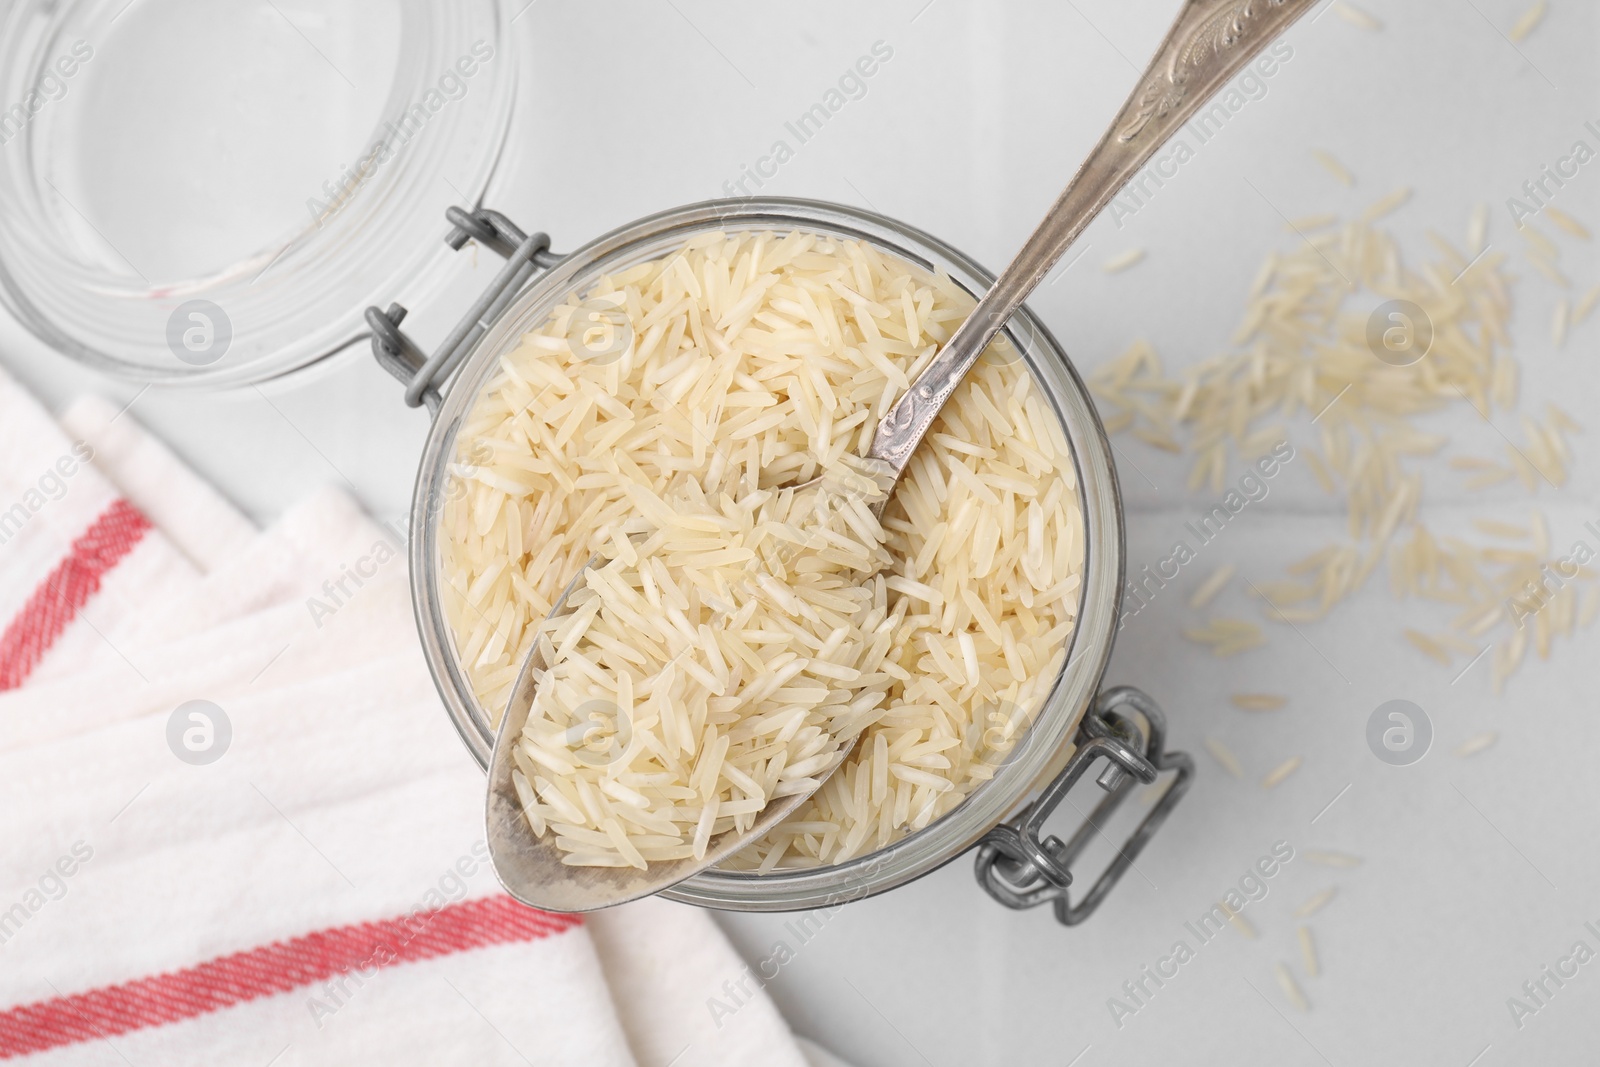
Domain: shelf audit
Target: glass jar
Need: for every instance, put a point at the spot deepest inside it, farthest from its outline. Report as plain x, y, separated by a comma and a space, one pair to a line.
1017, 863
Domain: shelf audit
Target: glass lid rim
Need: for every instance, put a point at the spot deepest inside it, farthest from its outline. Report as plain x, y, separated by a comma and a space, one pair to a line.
84, 327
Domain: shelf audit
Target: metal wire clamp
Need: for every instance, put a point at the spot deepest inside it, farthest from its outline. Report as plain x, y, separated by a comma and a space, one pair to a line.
525, 255
1021, 868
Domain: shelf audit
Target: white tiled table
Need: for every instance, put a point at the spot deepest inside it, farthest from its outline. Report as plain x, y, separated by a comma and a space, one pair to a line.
1477, 872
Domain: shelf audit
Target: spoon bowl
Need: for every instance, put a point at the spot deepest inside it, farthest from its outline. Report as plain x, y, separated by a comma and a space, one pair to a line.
531, 868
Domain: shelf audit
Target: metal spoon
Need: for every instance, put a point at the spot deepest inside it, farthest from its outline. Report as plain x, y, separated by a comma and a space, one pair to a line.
1210, 42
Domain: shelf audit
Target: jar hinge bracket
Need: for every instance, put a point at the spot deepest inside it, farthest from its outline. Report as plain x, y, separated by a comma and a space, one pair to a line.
1022, 868
525, 254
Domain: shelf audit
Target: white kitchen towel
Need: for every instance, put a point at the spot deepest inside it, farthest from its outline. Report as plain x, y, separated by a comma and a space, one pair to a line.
203, 525
671, 972
78, 562
311, 886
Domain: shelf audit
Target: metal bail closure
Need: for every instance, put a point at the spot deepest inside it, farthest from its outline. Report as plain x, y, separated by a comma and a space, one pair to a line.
423, 374
1021, 869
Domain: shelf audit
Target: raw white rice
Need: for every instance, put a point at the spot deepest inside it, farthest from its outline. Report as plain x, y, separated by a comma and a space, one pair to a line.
1538, 243
1355, 16
1211, 586
1238, 921
1478, 229
1308, 951
1331, 164
1224, 757
1276, 776
1332, 859
723, 658
1529, 19
1291, 988
1303, 348
1384, 206
1227, 637
1585, 305
1123, 260
1315, 904
754, 360
1566, 222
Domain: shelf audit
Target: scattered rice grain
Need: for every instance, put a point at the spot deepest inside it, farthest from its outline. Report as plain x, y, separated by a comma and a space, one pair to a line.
1332, 859
1291, 988
1332, 165
1308, 952
1355, 16
1567, 222
1386, 205
1528, 21
1585, 306
1208, 589
1119, 263
1276, 776
1428, 646
1259, 701
1478, 229
1224, 757
1315, 904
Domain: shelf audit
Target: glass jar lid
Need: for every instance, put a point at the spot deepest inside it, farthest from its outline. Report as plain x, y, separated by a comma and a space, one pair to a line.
212, 191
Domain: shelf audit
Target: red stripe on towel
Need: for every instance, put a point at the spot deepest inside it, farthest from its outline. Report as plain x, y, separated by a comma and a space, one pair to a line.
276, 968
57, 599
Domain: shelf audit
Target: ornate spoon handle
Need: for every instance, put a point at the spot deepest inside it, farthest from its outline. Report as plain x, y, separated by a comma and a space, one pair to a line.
1208, 44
